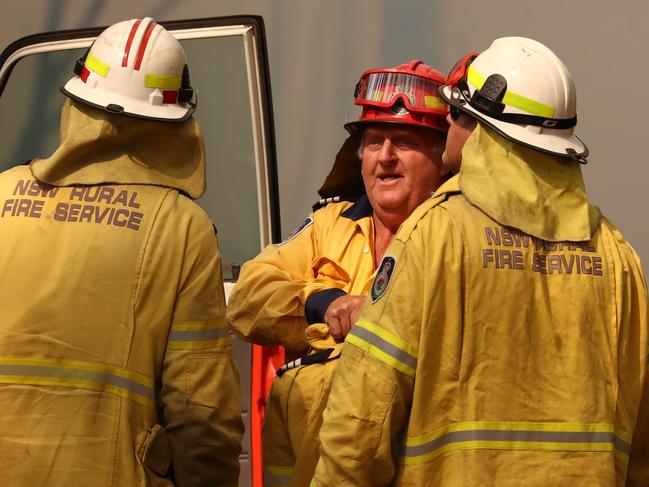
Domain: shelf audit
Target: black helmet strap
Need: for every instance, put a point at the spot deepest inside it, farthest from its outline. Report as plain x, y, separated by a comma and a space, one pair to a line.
81, 62
488, 101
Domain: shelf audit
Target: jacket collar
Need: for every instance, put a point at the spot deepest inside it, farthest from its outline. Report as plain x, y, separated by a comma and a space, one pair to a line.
360, 209
451, 185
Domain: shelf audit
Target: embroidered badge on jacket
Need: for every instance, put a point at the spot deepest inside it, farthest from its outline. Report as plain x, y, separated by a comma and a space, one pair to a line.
382, 279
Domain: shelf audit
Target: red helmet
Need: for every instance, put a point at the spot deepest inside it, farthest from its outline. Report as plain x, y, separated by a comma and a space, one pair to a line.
406, 94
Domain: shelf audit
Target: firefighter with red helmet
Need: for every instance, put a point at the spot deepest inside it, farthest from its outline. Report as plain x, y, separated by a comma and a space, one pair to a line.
115, 360
306, 292
509, 344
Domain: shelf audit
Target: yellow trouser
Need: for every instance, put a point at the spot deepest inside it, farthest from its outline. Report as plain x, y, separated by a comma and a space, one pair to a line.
294, 410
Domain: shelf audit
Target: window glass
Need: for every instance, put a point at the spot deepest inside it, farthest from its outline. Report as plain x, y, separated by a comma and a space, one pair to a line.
218, 72
30, 106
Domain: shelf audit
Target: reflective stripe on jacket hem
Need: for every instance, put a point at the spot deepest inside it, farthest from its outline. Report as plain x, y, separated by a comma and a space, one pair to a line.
198, 335
275, 476
78, 375
477, 435
383, 345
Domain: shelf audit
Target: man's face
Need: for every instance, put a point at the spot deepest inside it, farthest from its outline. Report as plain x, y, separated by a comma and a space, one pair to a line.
401, 166
458, 133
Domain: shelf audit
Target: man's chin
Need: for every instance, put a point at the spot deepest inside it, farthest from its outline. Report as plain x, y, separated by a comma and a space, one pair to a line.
391, 205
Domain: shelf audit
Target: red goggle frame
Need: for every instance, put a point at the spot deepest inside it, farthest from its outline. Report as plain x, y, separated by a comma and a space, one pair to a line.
459, 70
384, 87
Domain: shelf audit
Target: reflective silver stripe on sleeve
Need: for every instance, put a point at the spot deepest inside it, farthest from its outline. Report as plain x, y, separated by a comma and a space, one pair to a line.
77, 375
519, 436
385, 346
621, 445
197, 335
548, 438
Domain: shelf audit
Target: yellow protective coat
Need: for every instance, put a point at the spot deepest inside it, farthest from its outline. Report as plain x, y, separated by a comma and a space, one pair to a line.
115, 361
331, 251
267, 307
494, 358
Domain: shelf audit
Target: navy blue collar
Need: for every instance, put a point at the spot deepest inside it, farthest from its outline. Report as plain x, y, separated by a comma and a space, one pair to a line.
360, 209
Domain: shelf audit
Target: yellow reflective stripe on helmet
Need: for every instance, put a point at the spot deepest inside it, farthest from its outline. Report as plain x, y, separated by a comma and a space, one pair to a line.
512, 99
198, 335
79, 375
277, 476
434, 102
385, 346
162, 81
477, 435
96, 66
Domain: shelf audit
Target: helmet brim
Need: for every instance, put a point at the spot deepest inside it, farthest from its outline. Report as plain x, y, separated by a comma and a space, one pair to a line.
79, 91
557, 143
358, 125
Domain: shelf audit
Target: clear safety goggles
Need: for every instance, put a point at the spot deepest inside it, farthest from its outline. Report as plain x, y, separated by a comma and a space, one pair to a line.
382, 88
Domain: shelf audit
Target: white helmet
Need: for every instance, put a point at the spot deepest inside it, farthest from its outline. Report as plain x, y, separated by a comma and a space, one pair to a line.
135, 68
521, 89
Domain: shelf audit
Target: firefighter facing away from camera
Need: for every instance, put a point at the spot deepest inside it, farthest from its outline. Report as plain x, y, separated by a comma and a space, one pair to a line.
115, 360
507, 344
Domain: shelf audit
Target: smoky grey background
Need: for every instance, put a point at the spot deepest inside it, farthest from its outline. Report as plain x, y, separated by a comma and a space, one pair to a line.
318, 49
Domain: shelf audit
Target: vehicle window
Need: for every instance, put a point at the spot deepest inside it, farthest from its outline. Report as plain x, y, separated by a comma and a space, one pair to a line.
218, 72
30, 106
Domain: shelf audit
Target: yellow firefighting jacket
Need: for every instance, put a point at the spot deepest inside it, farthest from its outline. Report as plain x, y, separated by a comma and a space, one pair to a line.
115, 360
489, 357
291, 284
329, 255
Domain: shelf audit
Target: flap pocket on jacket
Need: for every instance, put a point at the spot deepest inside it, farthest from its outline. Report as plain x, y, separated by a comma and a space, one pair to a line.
328, 269
156, 451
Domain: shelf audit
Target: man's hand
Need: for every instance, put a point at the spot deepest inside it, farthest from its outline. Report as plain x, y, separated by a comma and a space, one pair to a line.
342, 313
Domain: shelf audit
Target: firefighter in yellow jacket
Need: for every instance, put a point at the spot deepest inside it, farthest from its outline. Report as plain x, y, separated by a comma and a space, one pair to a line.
115, 360
322, 274
505, 341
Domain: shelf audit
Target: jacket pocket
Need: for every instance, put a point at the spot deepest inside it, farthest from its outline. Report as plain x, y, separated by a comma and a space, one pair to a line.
156, 450
327, 269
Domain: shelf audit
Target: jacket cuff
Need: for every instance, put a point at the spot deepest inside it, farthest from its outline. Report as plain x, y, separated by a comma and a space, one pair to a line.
317, 303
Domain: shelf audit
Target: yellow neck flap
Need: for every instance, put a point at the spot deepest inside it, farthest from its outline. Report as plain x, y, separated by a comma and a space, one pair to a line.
97, 147
537, 193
